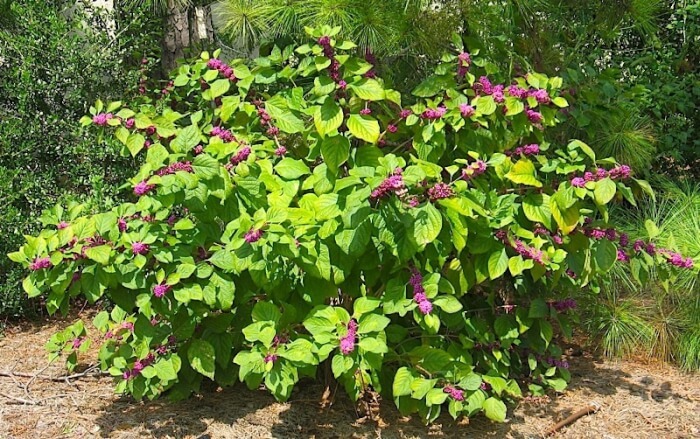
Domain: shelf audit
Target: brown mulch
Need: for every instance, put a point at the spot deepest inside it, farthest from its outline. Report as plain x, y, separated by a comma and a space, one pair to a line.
639, 400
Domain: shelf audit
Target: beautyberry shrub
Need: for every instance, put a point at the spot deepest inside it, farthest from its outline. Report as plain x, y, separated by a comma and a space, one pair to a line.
296, 210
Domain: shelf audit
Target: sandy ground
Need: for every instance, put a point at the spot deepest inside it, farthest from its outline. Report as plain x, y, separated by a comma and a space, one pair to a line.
639, 400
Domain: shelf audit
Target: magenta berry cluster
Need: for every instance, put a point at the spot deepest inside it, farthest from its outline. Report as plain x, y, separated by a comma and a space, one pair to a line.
416, 281
40, 264
394, 183
176, 167
455, 393
347, 342
253, 235
161, 290
223, 68
223, 134
474, 170
440, 191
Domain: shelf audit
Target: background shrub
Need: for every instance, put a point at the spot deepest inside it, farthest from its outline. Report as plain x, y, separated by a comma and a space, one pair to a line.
53, 59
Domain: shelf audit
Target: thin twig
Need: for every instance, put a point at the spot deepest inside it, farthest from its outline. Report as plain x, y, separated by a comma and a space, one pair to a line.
89, 372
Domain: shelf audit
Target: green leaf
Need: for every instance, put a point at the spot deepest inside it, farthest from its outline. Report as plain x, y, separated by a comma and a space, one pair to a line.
435, 397
335, 151
291, 169
485, 105
364, 127
371, 344
186, 139
560, 102
402, 382
266, 311
449, 304
201, 355
328, 117
135, 143
368, 89
523, 172
577, 144
219, 88
538, 309
536, 209
604, 191
372, 323
283, 117
498, 264
427, 225
99, 254
605, 254
495, 409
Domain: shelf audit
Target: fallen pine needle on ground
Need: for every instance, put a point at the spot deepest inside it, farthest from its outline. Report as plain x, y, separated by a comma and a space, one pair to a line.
638, 400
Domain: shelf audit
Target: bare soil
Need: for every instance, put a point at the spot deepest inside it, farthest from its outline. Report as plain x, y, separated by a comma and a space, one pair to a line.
639, 400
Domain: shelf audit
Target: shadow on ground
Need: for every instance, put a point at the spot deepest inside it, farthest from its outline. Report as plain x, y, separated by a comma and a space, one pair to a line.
238, 412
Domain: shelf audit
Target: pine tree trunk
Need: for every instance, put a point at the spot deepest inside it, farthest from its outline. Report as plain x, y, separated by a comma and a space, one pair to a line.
201, 25
176, 36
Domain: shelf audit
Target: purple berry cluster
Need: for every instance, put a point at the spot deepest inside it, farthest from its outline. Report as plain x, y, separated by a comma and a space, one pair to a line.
562, 364
541, 231
676, 259
474, 170
328, 52
533, 116
241, 156
416, 281
223, 134
142, 188
621, 172
520, 247
347, 342
253, 235
440, 191
455, 393
464, 60
161, 290
176, 167
532, 149
102, 119
563, 305
466, 110
223, 68
140, 248
40, 264
394, 183
434, 113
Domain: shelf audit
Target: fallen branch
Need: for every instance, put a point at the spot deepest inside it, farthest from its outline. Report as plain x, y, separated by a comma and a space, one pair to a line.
89, 372
593, 407
19, 400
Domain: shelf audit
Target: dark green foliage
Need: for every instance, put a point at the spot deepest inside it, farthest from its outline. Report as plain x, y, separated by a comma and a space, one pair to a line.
53, 61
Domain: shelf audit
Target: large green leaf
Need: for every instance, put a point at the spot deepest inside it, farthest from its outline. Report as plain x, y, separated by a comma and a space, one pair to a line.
427, 225
328, 117
605, 254
402, 382
498, 263
523, 172
604, 191
495, 409
335, 151
291, 169
364, 127
368, 89
536, 209
201, 355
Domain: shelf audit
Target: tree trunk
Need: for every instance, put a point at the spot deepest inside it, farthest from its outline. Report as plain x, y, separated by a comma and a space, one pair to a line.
176, 36
201, 26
